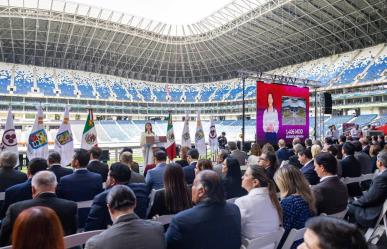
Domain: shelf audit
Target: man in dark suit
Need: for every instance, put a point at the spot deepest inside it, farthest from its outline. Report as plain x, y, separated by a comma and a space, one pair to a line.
237, 154
43, 192
350, 168
331, 194
306, 159
119, 174
283, 153
204, 225
22, 191
95, 165
82, 185
189, 171
293, 160
127, 159
133, 165
155, 177
8, 175
365, 145
268, 161
54, 166
363, 158
128, 229
366, 210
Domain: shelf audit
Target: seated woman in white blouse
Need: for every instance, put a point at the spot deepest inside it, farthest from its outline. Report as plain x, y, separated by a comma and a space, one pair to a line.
260, 210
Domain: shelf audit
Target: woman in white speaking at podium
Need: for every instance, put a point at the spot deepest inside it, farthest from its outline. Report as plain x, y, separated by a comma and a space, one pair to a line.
270, 121
147, 150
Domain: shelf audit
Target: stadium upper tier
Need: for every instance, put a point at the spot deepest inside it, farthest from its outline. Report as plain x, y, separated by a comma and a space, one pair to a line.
358, 67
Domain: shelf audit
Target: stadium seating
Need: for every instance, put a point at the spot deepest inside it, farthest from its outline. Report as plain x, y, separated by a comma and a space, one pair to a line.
5, 77
23, 79
45, 81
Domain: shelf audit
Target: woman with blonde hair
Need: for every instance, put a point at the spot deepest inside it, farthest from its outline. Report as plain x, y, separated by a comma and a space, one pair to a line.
255, 152
315, 149
297, 201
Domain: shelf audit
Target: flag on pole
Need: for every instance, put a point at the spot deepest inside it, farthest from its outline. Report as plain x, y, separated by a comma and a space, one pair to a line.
213, 137
186, 137
37, 141
170, 145
200, 141
64, 143
89, 136
9, 140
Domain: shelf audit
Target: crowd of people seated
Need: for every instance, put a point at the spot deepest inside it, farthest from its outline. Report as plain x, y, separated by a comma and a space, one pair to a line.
214, 204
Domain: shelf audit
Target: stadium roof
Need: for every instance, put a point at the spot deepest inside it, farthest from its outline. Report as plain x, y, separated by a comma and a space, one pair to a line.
255, 35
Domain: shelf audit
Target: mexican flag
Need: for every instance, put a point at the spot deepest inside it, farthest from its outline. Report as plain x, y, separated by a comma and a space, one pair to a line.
170, 145
89, 136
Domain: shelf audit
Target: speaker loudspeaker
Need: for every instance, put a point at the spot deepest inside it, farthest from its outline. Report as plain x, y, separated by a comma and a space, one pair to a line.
326, 100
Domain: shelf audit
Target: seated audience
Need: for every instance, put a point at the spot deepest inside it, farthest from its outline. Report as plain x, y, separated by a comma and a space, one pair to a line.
95, 165
308, 143
82, 185
128, 230
255, 152
219, 160
318, 142
331, 194
261, 213
296, 140
366, 210
342, 139
133, 165
189, 171
267, 147
154, 177
350, 168
46, 222
232, 178
381, 141
365, 145
8, 175
363, 158
127, 159
297, 200
306, 159
268, 161
183, 156
374, 150
330, 233
119, 174
283, 153
211, 223
237, 154
316, 149
175, 196
22, 191
203, 164
54, 166
43, 192
293, 160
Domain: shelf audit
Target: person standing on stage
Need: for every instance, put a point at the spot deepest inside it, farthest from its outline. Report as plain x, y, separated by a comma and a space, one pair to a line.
146, 150
222, 141
270, 121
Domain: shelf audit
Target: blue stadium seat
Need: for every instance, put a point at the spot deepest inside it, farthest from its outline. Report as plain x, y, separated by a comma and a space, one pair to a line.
119, 91
23, 81
5, 80
46, 84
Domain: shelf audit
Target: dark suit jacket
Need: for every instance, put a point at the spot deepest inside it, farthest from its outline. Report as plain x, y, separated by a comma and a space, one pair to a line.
10, 177
136, 177
270, 172
366, 149
367, 208
351, 168
82, 185
240, 156
182, 162
159, 207
99, 217
60, 171
310, 174
206, 226
129, 231
365, 162
283, 154
16, 193
331, 195
99, 168
189, 172
293, 160
66, 211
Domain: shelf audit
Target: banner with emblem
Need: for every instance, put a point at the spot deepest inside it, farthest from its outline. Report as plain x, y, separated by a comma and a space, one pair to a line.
37, 145
89, 136
200, 141
9, 140
213, 137
186, 137
64, 143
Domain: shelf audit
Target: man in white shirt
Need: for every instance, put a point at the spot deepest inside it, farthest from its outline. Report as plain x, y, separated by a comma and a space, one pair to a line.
355, 132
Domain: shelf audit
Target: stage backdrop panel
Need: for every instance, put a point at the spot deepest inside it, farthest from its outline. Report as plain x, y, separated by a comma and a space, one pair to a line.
282, 112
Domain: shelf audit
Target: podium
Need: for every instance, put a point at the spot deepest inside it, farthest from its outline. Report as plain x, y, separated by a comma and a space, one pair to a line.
152, 143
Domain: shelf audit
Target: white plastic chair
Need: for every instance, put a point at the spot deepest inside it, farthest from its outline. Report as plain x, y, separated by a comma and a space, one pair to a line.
293, 236
370, 234
265, 240
79, 239
2, 196
152, 196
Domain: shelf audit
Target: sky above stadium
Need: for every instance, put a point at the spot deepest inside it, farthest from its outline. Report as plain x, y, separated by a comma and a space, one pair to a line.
166, 11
